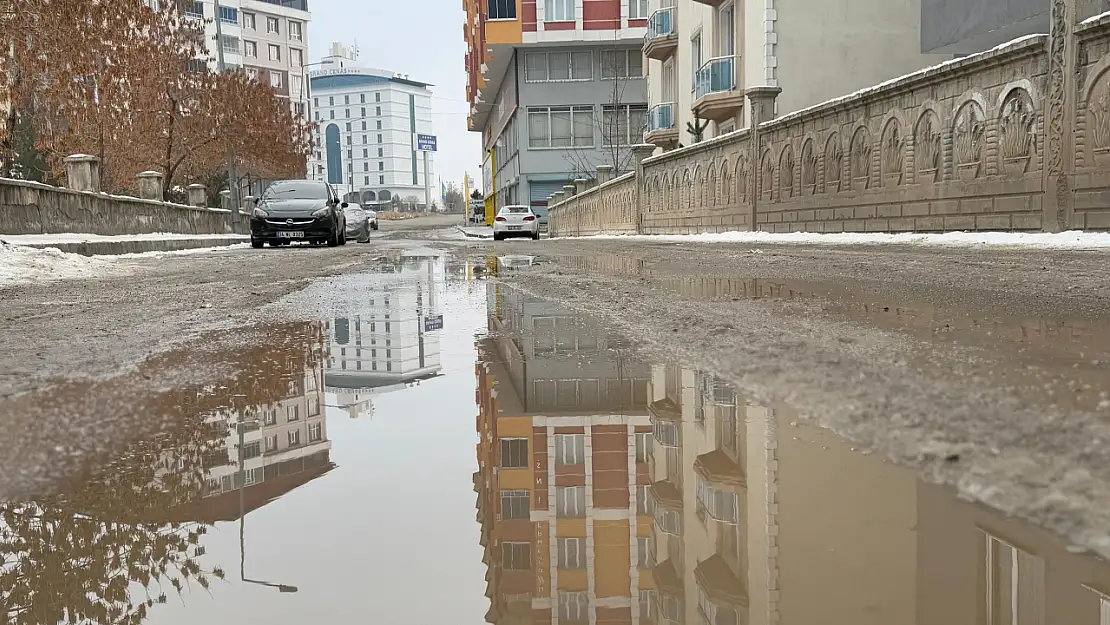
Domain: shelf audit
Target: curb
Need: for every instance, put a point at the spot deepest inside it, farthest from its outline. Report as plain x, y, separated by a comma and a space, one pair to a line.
139, 246
472, 235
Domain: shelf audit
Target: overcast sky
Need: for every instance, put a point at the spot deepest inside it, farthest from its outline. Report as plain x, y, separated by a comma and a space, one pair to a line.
421, 38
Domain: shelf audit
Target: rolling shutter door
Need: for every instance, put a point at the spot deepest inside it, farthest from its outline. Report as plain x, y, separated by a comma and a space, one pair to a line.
538, 192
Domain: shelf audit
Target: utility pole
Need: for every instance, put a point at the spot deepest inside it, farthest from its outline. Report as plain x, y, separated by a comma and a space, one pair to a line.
232, 174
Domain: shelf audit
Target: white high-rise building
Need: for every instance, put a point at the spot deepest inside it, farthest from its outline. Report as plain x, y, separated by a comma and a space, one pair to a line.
367, 122
267, 38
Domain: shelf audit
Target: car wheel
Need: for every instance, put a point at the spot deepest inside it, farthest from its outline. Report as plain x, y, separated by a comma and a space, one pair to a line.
343, 236
497, 237
374, 225
275, 243
257, 243
535, 236
333, 239
365, 238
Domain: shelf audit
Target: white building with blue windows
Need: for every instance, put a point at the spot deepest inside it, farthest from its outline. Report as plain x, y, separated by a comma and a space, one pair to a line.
366, 126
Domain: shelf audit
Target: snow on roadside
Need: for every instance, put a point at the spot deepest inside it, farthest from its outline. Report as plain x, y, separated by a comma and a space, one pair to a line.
1038, 240
68, 237
19, 264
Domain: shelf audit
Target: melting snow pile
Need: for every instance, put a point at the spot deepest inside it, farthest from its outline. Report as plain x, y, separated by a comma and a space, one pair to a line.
1038, 240
19, 264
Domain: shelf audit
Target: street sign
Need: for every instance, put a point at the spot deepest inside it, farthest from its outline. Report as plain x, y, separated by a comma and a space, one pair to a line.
426, 143
434, 322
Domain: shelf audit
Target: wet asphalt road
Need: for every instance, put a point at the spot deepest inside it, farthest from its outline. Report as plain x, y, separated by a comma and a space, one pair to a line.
987, 372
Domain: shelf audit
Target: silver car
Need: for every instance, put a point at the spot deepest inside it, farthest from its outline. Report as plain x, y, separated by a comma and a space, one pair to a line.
360, 222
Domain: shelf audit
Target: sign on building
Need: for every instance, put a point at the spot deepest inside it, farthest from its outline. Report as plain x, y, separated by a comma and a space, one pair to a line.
426, 143
432, 323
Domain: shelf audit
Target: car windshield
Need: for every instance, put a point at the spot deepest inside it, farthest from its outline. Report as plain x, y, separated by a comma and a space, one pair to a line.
296, 190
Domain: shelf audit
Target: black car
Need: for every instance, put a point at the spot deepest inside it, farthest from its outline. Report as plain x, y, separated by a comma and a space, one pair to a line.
298, 210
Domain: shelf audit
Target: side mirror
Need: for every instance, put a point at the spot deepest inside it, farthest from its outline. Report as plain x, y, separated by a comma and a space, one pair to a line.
344, 205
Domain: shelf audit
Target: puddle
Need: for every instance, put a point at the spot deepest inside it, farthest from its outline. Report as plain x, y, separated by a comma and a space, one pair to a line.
441, 448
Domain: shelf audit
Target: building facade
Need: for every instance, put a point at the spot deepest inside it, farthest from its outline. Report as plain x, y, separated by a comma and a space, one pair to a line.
367, 121
703, 55
268, 39
556, 88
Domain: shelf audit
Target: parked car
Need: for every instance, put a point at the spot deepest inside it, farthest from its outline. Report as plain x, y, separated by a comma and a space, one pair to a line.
359, 222
515, 221
298, 210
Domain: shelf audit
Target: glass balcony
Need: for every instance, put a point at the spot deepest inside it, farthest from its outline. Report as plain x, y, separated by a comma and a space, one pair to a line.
661, 117
715, 76
661, 23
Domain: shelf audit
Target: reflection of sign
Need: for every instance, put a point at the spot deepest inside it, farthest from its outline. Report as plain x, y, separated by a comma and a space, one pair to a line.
434, 322
543, 552
426, 143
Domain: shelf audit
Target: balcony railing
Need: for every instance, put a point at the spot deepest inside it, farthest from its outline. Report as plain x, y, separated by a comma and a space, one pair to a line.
661, 23
661, 117
715, 76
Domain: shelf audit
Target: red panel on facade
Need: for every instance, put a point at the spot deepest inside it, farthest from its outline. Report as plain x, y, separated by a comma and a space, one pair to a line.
559, 25
528, 16
601, 14
637, 23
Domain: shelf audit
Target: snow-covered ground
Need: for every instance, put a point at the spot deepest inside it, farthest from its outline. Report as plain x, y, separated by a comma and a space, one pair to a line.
1041, 240
66, 237
19, 264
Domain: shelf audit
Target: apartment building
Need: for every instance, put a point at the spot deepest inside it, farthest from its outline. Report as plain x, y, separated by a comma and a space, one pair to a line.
267, 38
703, 55
563, 468
367, 121
556, 88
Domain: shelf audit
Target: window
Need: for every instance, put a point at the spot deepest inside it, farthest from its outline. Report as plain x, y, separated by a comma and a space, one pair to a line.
331, 100
378, 111
645, 505
570, 502
275, 80
668, 521
572, 553
194, 9
570, 448
553, 66
559, 11
515, 504
295, 31
270, 417
296, 57
561, 127
378, 97
501, 9
722, 505
514, 453
381, 152
365, 153
623, 124
296, 84
250, 49
251, 450
695, 56
346, 99
249, 21
293, 413
574, 607
347, 114
271, 443
638, 9
315, 432
275, 52
273, 26
1014, 584
643, 446
348, 126
254, 476
647, 605
197, 66
314, 408
622, 64
712, 613
379, 125
645, 556
516, 556
379, 138
294, 438
364, 127
252, 73
666, 433
229, 15
366, 167
362, 99
381, 167
365, 139
381, 179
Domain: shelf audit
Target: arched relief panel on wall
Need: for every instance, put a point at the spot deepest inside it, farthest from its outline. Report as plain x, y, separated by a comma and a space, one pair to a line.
928, 146
860, 158
1017, 130
834, 163
786, 172
739, 178
969, 136
808, 166
766, 176
892, 150
711, 185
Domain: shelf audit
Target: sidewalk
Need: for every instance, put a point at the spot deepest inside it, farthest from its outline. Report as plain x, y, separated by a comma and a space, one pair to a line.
99, 245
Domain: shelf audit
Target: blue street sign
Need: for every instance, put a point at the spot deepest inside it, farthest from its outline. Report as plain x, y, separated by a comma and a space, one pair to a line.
426, 143
434, 322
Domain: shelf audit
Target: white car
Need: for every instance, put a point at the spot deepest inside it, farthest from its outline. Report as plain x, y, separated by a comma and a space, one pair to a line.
516, 221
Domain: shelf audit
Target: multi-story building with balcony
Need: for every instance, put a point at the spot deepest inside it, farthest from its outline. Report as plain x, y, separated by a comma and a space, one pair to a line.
556, 88
703, 55
266, 38
563, 468
367, 121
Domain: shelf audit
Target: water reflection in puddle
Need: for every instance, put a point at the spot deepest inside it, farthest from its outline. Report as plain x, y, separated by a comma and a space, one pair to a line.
332, 476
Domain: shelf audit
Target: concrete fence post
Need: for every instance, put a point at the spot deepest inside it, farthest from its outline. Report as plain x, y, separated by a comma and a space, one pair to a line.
197, 194
762, 105
248, 203
604, 174
150, 185
83, 172
640, 153
225, 199
580, 185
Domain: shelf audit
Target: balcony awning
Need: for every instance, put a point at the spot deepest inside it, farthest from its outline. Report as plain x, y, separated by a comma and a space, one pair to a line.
665, 409
720, 583
718, 468
667, 580
666, 494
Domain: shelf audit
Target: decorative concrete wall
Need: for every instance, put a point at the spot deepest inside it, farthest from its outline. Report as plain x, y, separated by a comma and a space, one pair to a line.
1016, 138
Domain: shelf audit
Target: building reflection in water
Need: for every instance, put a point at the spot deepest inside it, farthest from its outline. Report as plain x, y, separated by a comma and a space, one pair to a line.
728, 512
377, 341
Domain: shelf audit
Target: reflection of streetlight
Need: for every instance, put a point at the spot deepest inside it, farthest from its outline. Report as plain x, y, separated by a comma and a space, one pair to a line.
243, 511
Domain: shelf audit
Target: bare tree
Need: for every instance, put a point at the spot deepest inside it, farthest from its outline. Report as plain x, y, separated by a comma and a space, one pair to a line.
619, 127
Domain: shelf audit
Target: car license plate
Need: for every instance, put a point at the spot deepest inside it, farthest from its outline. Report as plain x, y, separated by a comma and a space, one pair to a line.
514, 227
295, 234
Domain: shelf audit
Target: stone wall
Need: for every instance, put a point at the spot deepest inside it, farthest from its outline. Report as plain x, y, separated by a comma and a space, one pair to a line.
961, 146
32, 208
